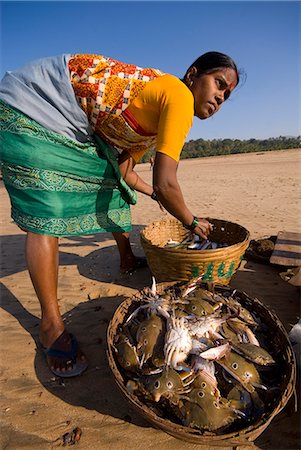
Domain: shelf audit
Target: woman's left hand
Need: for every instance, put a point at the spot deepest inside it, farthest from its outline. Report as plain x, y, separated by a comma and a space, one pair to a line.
126, 167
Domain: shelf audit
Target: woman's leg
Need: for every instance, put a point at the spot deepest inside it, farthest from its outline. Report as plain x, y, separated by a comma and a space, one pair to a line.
42, 261
128, 261
127, 257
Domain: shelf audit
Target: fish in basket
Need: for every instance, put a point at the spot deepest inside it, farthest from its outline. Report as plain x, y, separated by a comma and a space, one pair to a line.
207, 366
194, 242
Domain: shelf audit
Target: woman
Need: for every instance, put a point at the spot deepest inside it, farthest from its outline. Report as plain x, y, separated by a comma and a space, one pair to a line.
73, 127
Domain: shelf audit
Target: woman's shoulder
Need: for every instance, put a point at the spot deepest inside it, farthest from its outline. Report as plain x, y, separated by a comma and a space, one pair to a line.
170, 80
171, 86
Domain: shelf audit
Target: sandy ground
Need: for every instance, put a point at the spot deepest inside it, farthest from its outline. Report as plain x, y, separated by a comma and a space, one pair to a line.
258, 191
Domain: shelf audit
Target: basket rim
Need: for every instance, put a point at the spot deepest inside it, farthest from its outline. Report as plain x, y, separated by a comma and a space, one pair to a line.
247, 434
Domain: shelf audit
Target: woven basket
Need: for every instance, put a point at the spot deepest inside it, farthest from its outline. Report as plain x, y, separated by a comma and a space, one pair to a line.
285, 357
170, 264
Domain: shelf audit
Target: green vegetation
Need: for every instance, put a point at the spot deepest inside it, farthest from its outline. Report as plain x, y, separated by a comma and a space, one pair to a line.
201, 147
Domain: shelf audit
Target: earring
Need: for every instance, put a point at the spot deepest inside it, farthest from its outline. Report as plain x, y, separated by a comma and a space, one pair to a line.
191, 83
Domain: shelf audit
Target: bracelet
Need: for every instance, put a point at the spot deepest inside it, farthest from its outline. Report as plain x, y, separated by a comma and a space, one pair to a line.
193, 224
154, 196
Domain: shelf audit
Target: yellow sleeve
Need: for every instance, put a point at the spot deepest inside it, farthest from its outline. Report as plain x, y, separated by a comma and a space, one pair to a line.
175, 121
165, 108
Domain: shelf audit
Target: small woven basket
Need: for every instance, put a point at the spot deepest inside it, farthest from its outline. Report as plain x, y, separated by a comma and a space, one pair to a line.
171, 264
278, 340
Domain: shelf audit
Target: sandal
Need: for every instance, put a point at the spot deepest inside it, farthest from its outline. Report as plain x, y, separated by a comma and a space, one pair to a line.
74, 365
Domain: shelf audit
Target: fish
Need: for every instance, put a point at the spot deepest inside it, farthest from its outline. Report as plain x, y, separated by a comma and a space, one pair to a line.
199, 307
254, 353
167, 384
242, 370
206, 409
126, 353
194, 242
148, 335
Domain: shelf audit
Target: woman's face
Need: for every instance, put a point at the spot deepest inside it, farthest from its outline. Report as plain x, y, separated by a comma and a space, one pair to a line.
210, 90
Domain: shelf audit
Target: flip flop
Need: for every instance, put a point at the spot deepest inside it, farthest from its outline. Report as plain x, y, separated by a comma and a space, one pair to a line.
140, 263
71, 357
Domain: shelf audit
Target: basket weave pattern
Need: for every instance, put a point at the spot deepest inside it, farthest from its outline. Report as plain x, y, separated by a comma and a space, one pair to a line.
245, 436
170, 264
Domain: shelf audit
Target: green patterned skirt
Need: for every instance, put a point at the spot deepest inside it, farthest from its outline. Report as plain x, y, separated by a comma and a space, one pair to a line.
58, 186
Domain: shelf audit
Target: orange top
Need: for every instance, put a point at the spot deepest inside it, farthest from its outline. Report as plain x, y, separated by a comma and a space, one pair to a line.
133, 108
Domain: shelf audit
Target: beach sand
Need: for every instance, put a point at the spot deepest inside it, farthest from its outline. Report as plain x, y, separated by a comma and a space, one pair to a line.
257, 190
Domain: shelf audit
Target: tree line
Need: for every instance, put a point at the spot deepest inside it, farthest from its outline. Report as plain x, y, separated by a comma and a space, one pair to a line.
201, 147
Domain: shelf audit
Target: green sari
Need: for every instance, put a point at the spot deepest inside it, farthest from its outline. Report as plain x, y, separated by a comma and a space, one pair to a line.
58, 186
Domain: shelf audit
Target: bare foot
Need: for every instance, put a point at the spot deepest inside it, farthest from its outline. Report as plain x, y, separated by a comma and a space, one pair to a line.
133, 264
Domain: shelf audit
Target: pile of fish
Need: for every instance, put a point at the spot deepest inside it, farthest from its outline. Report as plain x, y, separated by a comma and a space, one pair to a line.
194, 242
197, 358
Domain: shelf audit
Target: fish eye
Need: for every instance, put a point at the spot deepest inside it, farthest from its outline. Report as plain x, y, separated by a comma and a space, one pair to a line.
203, 313
143, 329
234, 366
169, 384
201, 394
203, 384
193, 307
127, 363
145, 341
215, 405
157, 384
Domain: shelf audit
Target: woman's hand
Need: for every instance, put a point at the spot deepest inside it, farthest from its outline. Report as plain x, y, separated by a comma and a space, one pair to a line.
126, 167
203, 228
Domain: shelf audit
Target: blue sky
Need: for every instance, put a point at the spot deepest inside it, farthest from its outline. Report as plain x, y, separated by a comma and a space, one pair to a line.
262, 37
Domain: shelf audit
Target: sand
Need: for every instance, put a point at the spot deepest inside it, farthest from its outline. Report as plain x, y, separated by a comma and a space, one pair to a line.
258, 191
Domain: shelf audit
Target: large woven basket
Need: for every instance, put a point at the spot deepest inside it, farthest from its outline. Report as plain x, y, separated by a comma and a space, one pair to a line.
170, 264
278, 339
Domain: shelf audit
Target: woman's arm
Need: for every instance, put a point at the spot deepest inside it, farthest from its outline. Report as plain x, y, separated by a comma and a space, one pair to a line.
126, 166
170, 195
166, 187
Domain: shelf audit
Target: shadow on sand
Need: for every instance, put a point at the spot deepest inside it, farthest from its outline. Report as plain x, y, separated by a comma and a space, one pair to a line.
101, 265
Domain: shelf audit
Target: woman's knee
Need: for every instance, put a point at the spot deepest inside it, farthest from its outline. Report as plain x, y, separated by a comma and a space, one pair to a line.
43, 240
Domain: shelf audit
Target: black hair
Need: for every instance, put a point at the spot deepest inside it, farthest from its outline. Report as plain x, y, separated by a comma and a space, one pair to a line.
211, 61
